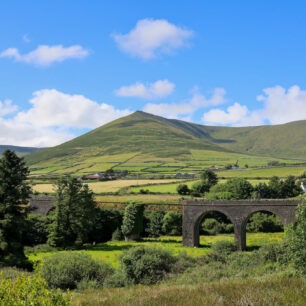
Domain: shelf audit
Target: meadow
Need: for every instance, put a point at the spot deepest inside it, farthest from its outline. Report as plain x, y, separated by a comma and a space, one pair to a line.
263, 172
94, 160
110, 251
104, 187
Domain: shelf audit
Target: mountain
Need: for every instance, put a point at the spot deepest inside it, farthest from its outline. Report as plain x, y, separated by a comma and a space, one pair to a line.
20, 151
143, 134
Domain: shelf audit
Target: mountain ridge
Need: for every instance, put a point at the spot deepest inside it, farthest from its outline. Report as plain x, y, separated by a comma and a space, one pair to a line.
150, 134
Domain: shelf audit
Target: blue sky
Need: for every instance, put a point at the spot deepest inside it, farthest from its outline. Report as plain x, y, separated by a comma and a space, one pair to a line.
69, 66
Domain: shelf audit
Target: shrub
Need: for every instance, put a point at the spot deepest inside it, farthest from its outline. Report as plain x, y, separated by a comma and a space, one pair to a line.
200, 187
132, 224
182, 189
66, 270
272, 252
211, 227
30, 290
155, 223
224, 195
264, 222
224, 247
296, 240
146, 265
172, 223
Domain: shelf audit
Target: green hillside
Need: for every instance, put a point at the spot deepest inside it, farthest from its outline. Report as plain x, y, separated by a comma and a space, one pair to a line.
143, 142
20, 151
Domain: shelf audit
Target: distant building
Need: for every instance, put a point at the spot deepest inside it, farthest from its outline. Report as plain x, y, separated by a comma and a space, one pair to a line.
97, 176
213, 168
184, 175
303, 186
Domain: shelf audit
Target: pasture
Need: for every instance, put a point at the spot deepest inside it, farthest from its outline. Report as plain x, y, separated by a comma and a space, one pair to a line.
263, 172
111, 250
93, 161
107, 186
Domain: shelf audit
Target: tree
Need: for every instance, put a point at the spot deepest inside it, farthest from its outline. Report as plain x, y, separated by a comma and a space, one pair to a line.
132, 224
14, 192
200, 187
172, 223
209, 177
182, 189
240, 188
74, 213
154, 228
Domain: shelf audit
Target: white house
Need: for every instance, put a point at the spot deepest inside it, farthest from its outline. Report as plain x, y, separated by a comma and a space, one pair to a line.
303, 186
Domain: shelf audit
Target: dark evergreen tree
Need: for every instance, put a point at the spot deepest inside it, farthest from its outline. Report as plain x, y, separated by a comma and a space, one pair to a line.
14, 194
74, 214
209, 177
132, 224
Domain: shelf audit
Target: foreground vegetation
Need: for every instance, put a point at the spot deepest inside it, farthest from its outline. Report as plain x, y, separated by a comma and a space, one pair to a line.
110, 251
70, 232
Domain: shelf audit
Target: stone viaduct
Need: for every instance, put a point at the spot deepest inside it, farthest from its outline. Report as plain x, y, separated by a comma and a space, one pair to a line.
41, 205
238, 212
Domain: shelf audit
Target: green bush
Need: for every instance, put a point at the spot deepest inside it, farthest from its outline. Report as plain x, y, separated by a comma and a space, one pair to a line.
224, 247
66, 270
182, 189
200, 187
272, 252
296, 240
30, 290
264, 222
155, 223
211, 227
224, 195
145, 265
172, 223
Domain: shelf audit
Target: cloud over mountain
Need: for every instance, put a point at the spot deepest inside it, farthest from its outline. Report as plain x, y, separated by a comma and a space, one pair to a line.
152, 37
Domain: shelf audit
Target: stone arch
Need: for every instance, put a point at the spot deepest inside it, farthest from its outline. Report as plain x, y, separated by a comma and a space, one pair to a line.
271, 210
237, 211
199, 219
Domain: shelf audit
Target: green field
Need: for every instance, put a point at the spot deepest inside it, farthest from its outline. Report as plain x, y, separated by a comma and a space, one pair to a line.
110, 251
263, 172
171, 188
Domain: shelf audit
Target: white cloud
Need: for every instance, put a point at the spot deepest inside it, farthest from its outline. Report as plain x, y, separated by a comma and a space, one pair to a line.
186, 109
236, 115
46, 55
280, 106
159, 89
7, 107
52, 116
152, 37
172, 111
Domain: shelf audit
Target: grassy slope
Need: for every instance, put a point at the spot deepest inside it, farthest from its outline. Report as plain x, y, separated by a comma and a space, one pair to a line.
20, 151
141, 137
